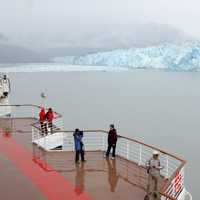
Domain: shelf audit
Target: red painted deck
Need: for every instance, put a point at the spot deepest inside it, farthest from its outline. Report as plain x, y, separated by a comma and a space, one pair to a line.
27, 172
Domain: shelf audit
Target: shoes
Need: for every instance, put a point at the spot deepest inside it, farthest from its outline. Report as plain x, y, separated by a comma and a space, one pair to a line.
146, 197
155, 195
105, 156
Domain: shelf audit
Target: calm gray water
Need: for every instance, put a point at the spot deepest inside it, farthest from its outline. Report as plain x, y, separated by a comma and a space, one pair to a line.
159, 108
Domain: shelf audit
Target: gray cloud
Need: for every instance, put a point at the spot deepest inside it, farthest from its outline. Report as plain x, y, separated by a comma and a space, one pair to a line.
3, 38
97, 24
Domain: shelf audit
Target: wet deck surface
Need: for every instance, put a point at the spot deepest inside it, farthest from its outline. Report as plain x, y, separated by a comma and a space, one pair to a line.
14, 185
97, 179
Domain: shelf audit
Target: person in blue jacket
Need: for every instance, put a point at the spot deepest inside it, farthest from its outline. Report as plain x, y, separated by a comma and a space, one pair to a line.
79, 146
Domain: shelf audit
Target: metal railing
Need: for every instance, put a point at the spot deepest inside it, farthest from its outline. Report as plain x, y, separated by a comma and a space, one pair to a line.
129, 149
134, 151
20, 111
4, 110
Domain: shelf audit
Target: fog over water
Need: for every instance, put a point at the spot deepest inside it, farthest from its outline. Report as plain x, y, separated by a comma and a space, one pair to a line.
159, 108
36, 31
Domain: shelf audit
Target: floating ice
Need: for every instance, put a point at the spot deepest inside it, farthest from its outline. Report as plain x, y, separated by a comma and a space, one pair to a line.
54, 67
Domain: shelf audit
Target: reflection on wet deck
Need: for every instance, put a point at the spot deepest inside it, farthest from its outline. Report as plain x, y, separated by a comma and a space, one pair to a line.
101, 178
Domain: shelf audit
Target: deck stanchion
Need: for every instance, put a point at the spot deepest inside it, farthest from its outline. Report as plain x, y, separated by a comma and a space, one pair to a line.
167, 166
182, 177
62, 140
104, 142
32, 129
189, 195
37, 134
33, 112
127, 153
45, 142
140, 155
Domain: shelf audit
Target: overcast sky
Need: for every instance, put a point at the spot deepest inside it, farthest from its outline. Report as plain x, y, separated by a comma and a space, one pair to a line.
30, 20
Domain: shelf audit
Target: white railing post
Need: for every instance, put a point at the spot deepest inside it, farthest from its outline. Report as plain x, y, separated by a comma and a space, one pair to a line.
35, 134
62, 140
140, 155
38, 134
127, 150
173, 188
65, 138
167, 167
59, 123
33, 138
182, 177
33, 112
103, 142
188, 194
45, 142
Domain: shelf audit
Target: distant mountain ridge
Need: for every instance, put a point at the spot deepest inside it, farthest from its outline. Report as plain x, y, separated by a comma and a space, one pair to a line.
101, 36
15, 54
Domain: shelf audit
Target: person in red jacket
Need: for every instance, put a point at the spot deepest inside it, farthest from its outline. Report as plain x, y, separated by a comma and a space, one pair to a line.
42, 119
112, 141
50, 117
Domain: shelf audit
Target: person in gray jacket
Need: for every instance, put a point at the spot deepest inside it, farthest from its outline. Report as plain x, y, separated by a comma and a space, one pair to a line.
154, 176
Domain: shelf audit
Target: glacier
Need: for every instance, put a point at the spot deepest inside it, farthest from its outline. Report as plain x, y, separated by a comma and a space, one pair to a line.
169, 56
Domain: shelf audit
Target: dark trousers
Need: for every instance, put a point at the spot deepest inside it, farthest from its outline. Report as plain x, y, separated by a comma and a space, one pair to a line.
113, 146
5, 94
43, 127
79, 152
50, 125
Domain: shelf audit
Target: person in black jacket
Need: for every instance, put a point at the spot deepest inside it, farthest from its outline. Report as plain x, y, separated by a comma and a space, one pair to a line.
112, 141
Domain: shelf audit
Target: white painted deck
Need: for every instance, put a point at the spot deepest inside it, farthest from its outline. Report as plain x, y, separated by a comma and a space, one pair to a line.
50, 141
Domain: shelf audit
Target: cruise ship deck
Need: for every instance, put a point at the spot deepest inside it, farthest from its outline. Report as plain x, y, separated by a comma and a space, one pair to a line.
32, 169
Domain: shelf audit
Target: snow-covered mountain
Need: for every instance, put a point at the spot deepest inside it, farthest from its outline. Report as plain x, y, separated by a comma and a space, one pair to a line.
184, 56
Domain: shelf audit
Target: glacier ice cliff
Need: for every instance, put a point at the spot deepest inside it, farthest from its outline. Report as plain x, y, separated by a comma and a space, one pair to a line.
184, 56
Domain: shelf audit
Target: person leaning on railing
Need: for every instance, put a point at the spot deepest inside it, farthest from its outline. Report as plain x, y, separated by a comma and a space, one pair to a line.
42, 119
153, 169
112, 141
50, 117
